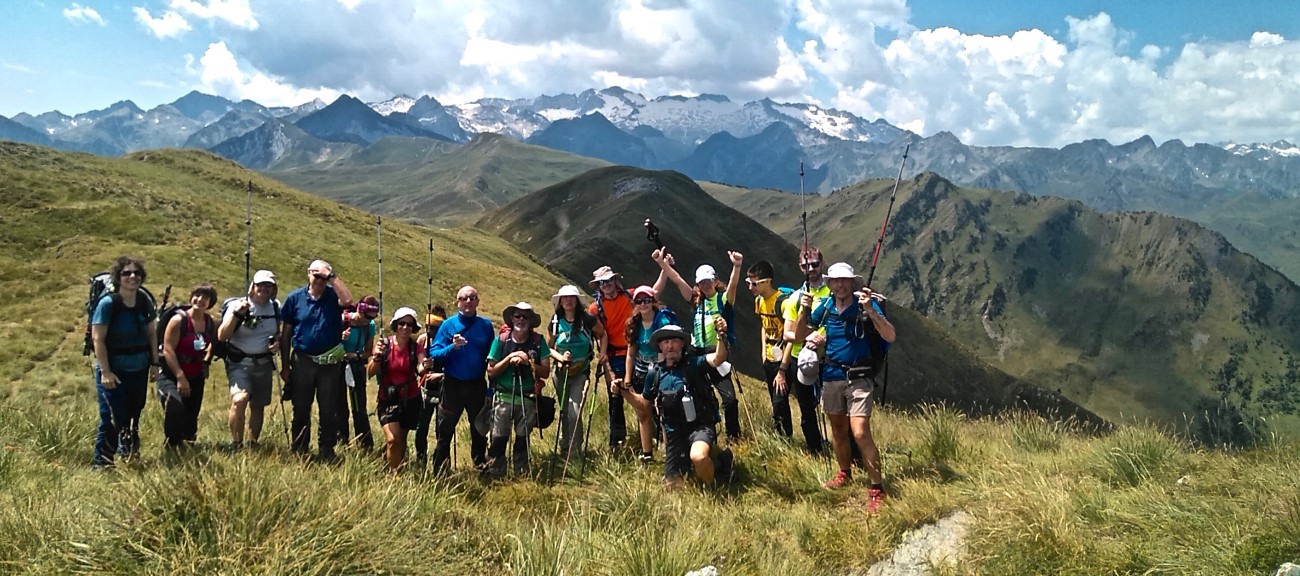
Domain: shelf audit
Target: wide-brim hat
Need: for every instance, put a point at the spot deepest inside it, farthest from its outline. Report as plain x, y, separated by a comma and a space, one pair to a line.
568, 290
604, 273
404, 312
841, 270
508, 315
667, 333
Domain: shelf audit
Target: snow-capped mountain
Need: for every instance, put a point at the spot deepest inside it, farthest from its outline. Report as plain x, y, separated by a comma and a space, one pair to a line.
399, 103
1264, 151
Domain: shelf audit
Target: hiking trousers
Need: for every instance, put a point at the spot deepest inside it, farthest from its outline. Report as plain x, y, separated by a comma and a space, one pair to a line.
617, 421
805, 396
119, 415
319, 382
181, 413
572, 397
509, 417
355, 397
460, 396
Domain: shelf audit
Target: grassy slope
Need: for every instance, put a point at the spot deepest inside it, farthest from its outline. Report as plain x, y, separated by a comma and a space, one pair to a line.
437, 182
1108, 318
1044, 499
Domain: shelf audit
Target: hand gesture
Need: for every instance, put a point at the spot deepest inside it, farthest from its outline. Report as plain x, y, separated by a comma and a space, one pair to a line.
720, 325
670, 260
244, 307
458, 341
347, 332
735, 257
568, 357
657, 255
779, 382
381, 346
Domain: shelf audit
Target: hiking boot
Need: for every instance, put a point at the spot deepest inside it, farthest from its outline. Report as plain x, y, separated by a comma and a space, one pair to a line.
645, 458
726, 467
875, 499
841, 479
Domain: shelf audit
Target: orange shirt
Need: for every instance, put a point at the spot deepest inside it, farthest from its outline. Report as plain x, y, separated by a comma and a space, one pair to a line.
617, 311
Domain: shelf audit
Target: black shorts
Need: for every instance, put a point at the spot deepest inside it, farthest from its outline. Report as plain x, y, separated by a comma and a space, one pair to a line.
405, 413
677, 452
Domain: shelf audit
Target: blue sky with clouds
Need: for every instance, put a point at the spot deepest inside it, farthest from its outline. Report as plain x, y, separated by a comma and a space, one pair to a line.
994, 72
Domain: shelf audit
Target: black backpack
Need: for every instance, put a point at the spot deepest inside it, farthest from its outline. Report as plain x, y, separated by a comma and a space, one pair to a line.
101, 286
699, 381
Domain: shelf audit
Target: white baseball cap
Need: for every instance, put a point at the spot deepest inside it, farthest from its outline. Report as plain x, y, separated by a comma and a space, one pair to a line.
705, 272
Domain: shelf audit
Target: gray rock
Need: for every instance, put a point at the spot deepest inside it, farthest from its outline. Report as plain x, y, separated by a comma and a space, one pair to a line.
926, 547
1288, 569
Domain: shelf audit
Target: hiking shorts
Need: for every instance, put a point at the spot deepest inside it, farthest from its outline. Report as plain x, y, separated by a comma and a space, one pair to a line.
406, 413
677, 452
252, 376
851, 397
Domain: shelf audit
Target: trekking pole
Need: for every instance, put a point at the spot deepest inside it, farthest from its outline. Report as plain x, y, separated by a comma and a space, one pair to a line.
379, 245
428, 307
563, 397
652, 234
591, 409
248, 236
284, 420
788, 350
875, 257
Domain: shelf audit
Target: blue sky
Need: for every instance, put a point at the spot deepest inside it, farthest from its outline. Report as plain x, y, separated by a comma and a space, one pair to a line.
994, 72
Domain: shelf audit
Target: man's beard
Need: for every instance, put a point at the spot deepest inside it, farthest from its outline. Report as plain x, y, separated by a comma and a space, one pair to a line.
672, 357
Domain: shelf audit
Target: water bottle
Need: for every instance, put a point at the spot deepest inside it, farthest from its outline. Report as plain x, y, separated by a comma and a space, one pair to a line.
688, 407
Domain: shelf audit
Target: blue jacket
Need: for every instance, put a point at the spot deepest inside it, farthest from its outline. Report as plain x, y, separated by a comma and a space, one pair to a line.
468, 362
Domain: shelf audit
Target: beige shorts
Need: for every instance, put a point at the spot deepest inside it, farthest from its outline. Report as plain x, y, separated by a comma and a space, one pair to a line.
852, 397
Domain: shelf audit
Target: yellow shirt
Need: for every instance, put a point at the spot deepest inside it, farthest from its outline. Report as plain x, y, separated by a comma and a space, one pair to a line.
773, 326
790, 309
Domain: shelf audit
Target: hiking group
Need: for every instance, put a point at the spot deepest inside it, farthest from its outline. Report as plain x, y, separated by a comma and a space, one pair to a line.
822, 343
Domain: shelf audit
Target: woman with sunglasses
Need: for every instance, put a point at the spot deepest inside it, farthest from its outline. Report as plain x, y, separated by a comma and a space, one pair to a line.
648, 315
574, 337
397, 362
123, 329
358, 339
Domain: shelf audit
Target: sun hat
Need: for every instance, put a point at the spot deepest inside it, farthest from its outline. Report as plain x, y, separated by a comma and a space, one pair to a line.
667, 333
841, 270
604, 273
534, 319
404, 312
705, 272
568, 290
643, 291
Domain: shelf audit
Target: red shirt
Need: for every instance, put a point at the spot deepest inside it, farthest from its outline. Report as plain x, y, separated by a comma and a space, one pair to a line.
400, 371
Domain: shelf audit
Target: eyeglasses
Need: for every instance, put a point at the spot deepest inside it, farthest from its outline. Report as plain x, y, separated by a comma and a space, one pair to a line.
753, 283
603, 282
405, 324
640, 301
136, 273
470, 298
810, 265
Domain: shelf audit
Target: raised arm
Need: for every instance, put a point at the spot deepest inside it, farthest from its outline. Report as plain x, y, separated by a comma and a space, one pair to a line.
734, 281
665, 262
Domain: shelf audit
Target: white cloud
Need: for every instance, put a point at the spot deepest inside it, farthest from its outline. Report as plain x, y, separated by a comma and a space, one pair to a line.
169, 25
220, 73
78, 14
237, 13
17, 68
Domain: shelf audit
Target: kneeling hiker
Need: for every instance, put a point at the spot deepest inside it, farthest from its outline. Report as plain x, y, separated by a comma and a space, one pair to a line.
680, 389
848, 390
517, 364
395, 363
187, 337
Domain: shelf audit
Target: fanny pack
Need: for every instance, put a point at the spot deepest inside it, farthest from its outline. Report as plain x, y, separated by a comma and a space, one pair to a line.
332, 356
855, 372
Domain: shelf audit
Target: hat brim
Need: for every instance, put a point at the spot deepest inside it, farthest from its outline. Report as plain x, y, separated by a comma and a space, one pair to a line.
582, 299
508, 315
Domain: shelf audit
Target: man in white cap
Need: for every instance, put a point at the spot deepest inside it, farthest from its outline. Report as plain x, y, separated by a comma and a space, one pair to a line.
850, 318
248, 328
612, 307
681, 389
517, 364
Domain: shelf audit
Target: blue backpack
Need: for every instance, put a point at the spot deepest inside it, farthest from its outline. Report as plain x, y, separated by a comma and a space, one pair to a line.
878, 362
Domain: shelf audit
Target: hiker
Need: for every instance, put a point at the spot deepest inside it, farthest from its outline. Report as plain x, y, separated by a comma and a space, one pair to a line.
678, 385
767, 305
810, 263
462, 345
186, 345
128, 319
517, 366
573, 337
849, 317
431, 374
396, 363
650, 315
709, 303
249, 328
612, 307
310, 353
358, 341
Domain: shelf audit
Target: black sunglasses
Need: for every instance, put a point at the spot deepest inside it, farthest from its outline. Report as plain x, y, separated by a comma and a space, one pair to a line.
405, 324
521, 316
810, 265
470, 298
136, 273
643, 301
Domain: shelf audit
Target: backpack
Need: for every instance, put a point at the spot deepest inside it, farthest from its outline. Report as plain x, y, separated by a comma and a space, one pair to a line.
697, 388
221, 348
879, 346
101, 286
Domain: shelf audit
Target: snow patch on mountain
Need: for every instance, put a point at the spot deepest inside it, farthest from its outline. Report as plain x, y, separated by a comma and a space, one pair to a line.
1263, 151
399, 103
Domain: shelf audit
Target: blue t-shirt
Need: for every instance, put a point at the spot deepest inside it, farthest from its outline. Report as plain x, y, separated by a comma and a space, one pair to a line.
847, 340
128, 334
317, 322
641, 337
674, 379
356, 340
469, 362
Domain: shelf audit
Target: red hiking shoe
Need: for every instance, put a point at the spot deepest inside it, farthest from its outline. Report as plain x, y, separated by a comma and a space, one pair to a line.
841, 479
875, 499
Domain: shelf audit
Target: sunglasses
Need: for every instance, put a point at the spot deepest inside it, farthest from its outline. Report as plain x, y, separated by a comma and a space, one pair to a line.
643, 301
603, 282
405, 324
136, 273
470, 298
265, 285
753, 283
810, 265
520, 316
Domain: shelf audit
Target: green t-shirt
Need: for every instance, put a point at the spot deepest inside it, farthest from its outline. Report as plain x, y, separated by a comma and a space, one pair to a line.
790, 308
575, 340
516, 382
703, 333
